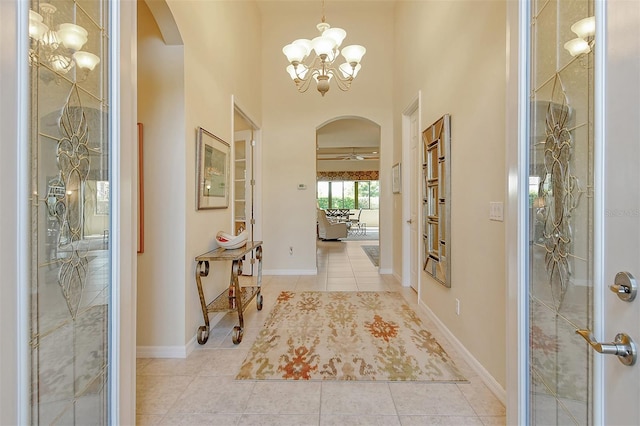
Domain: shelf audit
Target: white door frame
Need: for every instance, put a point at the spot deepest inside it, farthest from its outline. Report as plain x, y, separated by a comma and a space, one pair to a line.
14, 248
516, 238
236, 106
413, 106
124, 217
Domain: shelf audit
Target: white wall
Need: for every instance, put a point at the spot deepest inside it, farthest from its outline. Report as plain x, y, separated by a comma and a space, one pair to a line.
185, 87
290, 120
454, 52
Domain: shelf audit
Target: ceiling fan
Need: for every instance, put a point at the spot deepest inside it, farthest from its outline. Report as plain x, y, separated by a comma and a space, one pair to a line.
354, 156
349, 156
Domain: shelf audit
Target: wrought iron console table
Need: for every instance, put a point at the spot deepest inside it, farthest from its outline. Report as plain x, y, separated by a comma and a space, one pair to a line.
236, 297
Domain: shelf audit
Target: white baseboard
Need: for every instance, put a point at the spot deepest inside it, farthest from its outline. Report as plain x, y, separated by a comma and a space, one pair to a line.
399, 278
290, 272
385, 271
175, 351
486, 377
191, 345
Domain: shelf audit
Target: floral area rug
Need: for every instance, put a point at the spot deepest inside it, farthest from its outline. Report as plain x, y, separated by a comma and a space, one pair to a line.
346, 336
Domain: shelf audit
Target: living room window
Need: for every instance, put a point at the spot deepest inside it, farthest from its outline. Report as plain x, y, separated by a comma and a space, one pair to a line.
349, 194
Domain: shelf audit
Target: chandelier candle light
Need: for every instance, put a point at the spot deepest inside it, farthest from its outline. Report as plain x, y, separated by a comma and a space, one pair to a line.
59, 49
320, 68
585, 29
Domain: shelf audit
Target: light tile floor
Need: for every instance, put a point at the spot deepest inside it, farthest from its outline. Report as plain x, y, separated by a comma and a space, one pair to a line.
201, 390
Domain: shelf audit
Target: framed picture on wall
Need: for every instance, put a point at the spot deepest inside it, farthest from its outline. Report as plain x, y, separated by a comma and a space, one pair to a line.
395, 179
212, 167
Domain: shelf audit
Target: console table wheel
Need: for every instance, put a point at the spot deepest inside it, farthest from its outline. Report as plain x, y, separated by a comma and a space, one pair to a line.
203, 334
259, 302
237, 335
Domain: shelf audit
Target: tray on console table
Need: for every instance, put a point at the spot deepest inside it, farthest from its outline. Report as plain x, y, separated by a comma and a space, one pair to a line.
228, 300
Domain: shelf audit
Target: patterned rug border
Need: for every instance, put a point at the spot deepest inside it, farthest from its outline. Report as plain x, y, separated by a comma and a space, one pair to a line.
435, 358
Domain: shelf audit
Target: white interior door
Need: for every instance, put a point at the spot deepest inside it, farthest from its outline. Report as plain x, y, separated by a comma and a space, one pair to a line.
414, 159
620, 203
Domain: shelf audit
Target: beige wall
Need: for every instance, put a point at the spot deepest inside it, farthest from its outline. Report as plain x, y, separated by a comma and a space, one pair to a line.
161, 105
214, 71
290, 120
181, 88
454, 53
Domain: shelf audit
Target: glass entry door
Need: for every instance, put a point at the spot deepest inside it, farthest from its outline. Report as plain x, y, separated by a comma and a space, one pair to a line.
70, 211
561, 210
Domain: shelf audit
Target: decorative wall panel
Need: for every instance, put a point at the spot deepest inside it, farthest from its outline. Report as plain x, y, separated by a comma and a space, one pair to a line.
436, 200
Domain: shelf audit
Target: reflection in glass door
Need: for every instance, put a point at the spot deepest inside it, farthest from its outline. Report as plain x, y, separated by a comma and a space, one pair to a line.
561, 210
70, 209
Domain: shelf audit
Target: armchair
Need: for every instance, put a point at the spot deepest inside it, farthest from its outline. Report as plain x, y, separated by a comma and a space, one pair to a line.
330, 230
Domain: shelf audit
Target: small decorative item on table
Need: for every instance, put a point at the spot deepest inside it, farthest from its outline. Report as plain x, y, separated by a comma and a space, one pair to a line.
230, 242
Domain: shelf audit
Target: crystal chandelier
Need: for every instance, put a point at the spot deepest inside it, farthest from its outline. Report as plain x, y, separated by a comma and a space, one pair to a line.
59, 49
304, 68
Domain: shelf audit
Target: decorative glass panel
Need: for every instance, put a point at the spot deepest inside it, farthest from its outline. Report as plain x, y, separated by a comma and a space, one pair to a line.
70, 210
561, 216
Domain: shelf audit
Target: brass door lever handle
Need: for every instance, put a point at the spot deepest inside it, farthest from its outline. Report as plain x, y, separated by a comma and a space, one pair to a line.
623, 346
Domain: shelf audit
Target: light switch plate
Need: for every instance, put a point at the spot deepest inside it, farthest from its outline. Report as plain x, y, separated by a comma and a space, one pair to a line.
496, 211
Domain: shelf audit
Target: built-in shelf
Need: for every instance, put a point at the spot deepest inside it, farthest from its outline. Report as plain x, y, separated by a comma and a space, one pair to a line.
242, 189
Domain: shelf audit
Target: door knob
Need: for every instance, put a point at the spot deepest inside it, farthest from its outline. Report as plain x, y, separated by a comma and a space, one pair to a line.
625, 286
623, 346
410, 221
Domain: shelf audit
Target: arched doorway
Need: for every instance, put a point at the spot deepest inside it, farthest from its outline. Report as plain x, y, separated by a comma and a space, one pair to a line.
347, 173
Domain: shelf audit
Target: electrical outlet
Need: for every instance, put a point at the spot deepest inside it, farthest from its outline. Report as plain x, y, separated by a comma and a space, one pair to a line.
290, 250
457, 306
